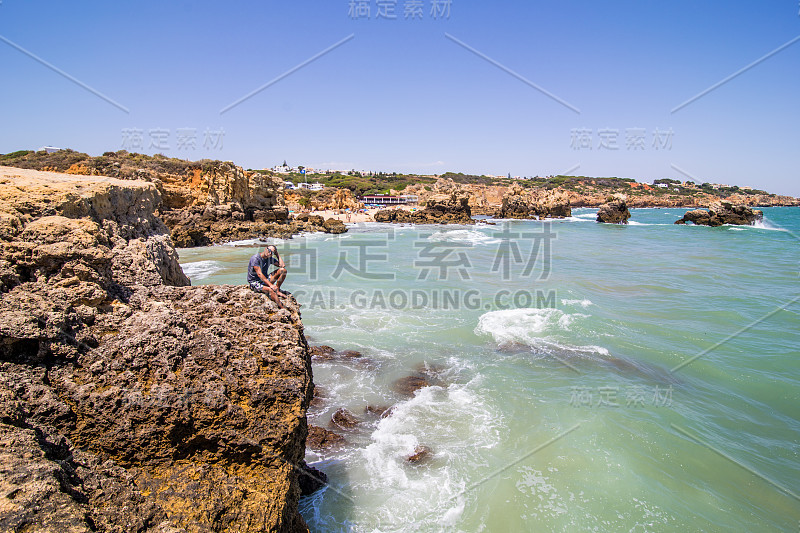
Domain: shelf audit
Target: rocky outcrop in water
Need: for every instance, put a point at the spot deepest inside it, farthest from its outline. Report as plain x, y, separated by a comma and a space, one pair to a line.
614, 212
525, 203
721, 213
445, 208
130, 401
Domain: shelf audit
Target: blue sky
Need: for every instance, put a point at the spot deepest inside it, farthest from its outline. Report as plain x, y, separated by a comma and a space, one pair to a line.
419, 94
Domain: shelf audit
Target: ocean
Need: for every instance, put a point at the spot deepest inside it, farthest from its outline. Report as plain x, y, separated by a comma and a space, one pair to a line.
582, 377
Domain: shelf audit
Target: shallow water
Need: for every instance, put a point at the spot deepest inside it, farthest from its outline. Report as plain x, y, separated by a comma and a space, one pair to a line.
571, 383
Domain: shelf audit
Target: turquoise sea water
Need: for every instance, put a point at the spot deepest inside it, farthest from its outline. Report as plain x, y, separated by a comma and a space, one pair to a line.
624, 378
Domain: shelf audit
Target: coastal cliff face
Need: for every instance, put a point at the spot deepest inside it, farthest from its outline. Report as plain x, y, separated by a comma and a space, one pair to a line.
130, 401
222, 202
529, 201
327, 199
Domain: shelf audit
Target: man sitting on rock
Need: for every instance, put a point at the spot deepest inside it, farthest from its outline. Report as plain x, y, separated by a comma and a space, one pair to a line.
257, 278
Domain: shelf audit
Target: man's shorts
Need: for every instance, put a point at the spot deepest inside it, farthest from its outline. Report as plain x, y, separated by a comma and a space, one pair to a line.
257, 286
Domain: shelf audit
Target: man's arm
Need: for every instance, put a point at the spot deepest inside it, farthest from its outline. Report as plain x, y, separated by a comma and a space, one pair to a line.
264, 278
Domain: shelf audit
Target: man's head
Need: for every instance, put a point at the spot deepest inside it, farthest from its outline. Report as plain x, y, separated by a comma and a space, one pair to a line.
272, 249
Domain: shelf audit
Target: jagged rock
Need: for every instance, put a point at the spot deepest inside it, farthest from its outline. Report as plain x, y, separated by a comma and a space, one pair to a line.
614, 212
720, 213
344, 419
322, 439
183, 407
333, 225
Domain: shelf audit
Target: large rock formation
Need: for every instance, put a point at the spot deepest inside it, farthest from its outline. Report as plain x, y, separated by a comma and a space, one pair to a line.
130, 401
533, 203
221, 202
448, 203
614, 211
452, 208
720, 213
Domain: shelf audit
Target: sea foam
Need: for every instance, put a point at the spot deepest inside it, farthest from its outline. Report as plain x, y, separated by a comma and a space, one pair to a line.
463, 236
201, 269
541, 329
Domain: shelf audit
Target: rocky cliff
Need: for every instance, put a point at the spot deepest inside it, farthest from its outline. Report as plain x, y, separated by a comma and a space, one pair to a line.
130, 401
328, 198
526, 199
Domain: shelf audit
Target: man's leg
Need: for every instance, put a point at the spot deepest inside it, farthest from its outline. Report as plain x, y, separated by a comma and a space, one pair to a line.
273, 295
278, 276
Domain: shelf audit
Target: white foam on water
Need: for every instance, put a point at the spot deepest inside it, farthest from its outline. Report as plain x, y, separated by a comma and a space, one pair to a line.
765, 224
537, 328
254, 242
463, 236
198, 270
579, 218
541, 493
583, 303
458, 425
511, 326
244, 243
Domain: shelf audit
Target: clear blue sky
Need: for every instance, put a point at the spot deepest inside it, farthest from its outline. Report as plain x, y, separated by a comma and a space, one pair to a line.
401, 95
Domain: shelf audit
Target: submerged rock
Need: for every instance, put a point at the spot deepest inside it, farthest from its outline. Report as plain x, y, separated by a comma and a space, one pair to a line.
378, 410
344, 419
408, 385
421, 454
321, 439
323, 351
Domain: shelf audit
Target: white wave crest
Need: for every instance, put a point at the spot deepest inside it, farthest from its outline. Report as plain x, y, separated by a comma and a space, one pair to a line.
542, 329
583, 303
201, 269
459, 424
463, 235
